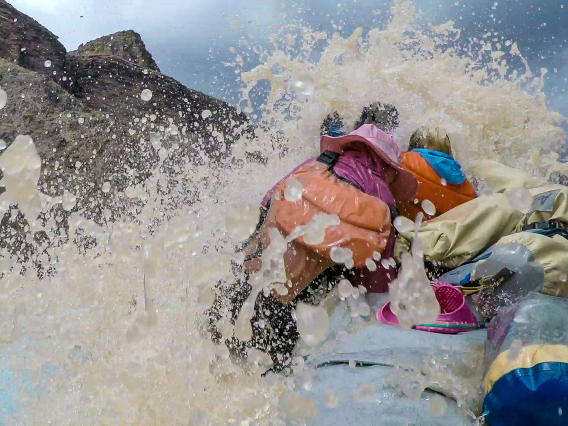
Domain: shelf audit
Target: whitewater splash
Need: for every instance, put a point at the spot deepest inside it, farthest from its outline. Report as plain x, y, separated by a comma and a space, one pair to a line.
114, 336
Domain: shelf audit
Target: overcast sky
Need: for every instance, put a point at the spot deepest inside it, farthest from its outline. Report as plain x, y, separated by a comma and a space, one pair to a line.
190, 38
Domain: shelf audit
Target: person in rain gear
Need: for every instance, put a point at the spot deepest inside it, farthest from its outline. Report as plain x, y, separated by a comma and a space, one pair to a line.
440, 178
358, 179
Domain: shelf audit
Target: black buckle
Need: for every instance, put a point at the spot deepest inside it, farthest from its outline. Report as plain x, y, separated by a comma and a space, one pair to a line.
329, 158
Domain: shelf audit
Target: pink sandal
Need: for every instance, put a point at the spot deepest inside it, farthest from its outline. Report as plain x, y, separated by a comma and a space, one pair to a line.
455, 317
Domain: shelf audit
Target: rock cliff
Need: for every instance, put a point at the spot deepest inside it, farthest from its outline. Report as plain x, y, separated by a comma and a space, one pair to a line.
96, 115
26, 43
127, 45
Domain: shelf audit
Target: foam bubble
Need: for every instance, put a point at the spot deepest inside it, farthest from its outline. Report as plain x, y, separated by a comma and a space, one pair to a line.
304, 84
429, 207
313, 323
69, 201
403, 224
146, 95
344, 288
371, 265
293, 190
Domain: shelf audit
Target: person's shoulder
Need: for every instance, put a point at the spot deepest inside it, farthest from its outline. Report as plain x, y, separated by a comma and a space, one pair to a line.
413, 161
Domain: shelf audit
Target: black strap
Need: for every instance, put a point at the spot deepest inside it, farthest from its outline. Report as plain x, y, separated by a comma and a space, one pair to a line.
394, 212
329, 158
544, 226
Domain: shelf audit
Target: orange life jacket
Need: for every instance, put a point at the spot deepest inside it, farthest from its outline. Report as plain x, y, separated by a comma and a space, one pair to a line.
364, 225
444, 197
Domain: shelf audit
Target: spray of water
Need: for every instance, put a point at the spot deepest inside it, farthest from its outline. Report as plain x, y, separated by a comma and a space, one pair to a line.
112, 334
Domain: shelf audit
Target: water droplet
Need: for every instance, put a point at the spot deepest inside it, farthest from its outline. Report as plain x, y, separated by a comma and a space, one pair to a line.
412, 389
429, 207
403, 224
47, 64
314, 232
376, 256
307, 380
364, 309
340, 254
3, 145
520, 199
444, 182
206, 114
562, 277
385, 263
371, 265
3, 98
174, 131
515, 349
313, 323
145, 72
69, 201
344, 288
81, 120
146, 95
293, 190
106, 187
331, 398
438, 405
355, 293
304, 85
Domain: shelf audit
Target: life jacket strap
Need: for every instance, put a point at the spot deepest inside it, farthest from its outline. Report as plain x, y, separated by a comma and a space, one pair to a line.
394, 212
329, 158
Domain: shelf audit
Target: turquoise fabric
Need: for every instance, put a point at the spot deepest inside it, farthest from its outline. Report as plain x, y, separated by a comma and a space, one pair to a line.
444, 165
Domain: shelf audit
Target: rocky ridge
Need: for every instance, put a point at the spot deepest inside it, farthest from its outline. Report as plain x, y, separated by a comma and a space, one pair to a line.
90, 123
